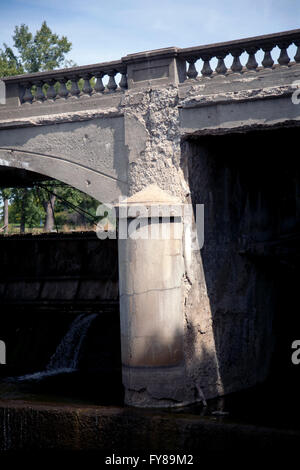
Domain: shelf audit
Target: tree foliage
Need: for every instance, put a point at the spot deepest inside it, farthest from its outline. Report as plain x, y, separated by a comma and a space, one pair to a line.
39, 199
31, 53
9, 64
37, 52
34, 213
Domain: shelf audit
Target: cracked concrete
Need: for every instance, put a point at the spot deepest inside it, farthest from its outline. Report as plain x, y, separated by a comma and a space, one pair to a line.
140, 138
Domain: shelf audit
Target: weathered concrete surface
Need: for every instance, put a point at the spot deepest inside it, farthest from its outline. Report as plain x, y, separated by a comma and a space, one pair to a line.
151, 272
259, 99
40, 427
248, 258
157, 158
154, 68
85, 150
152, 134
14, 113
144, 148
235, 102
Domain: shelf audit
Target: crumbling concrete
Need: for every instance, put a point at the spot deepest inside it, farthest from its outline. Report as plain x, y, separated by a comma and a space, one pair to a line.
145, 141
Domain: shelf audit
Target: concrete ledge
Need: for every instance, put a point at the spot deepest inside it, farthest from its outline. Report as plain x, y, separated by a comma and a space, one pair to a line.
234, 116
86, 104
33, 427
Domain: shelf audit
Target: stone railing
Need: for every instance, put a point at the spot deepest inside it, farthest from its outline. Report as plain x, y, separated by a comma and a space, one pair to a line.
250, 46
75, 82
158, 67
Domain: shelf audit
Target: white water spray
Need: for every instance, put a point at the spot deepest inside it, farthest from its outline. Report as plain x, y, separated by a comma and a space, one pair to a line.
67, 354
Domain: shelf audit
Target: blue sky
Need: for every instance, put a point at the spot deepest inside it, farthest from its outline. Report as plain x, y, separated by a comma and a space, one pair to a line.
107, 30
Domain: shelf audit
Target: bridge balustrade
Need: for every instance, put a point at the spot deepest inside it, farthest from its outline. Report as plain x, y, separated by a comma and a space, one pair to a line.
64, 83
154, 67
236, 48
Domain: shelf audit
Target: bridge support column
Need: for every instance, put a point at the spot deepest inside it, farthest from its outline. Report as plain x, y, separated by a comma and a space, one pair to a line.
151, 272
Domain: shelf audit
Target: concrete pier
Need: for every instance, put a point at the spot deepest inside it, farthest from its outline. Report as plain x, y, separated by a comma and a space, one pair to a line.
151, 270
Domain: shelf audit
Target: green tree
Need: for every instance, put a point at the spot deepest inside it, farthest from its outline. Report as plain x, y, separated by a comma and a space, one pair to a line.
63, 198
43, 51
37, 52
5, 194
35, 207
25, 208
9, 64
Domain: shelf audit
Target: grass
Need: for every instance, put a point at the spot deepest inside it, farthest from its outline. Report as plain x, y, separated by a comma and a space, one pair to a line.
15, 229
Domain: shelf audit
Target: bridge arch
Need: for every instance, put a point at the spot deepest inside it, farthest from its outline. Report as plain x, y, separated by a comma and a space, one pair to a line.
100, 186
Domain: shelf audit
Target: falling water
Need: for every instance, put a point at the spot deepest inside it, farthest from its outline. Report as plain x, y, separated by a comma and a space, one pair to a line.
66, 357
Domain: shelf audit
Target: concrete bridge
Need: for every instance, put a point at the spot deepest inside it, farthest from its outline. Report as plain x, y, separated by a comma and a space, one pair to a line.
193, 323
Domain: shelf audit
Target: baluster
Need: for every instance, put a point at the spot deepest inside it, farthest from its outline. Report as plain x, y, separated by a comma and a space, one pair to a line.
87, 89
192, 71
236, 63
251, 63
297, 56
206, 69
51, 92
267, 60
27, 97
99, 87
39, 94
112, 86
123, 82
63, 91
283, 58
74, 86
221, 67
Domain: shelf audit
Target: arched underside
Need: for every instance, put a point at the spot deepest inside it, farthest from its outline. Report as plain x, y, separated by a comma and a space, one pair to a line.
16, 178
103, 188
